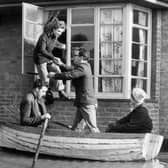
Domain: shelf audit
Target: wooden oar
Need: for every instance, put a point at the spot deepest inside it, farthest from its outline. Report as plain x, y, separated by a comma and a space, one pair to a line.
39, 142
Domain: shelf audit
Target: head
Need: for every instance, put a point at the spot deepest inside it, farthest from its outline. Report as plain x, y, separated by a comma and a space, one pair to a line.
138, 96
60, 29
54, 27
39, 89
79, 54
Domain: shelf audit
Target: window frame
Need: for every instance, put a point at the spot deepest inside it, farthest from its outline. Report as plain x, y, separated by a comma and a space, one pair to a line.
127, 46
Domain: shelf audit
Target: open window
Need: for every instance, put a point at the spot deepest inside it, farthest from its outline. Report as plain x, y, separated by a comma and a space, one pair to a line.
32, 27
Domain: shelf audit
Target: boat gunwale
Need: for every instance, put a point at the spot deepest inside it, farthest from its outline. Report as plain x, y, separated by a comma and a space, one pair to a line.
70, 133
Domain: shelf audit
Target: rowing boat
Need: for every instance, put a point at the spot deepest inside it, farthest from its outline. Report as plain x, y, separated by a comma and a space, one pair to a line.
91, 146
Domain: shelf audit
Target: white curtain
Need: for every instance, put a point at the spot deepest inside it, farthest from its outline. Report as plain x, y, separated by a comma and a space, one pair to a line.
111, 49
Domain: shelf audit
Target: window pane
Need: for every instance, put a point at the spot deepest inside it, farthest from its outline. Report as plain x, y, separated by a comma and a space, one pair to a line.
82, 33
82, 16
139, 51
34, 14
140, 18
139, 35
111, 33
141, 83
112, 85
110, 67
111, 16
139, 68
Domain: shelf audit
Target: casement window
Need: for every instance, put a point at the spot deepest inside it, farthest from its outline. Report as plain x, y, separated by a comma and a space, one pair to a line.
118, 38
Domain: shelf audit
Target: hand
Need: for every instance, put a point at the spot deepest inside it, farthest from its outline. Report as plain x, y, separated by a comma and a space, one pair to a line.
58, 61
45, 116
51, 74
63, 46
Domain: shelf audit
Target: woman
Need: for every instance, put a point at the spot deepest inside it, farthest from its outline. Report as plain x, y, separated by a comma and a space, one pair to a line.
138, 120
43, 57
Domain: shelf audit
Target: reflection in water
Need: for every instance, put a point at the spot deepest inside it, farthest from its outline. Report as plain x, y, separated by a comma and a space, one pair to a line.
15, 159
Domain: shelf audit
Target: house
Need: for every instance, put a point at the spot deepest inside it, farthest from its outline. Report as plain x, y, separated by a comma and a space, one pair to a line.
128, 45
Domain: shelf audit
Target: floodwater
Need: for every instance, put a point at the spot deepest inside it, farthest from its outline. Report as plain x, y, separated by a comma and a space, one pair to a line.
15, 159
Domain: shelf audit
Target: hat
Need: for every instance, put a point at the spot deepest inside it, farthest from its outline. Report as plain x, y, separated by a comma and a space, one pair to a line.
138, 95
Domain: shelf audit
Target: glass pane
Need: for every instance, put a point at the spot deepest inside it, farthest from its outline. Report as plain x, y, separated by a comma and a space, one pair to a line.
82, 33
110, 67
139, 68
29, 32
34, 14
140, 18
82, 16
111, 16
139, 35
141, 83
111, 33
88, 46
111, 50
139, 51
112, 85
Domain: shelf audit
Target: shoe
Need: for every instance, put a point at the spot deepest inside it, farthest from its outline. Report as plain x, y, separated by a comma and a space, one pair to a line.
63, 95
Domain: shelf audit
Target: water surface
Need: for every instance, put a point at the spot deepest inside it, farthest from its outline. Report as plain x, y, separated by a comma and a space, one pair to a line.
15, 159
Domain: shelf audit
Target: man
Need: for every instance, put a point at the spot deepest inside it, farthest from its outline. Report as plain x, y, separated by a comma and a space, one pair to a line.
32, 108
137, 121
85, 100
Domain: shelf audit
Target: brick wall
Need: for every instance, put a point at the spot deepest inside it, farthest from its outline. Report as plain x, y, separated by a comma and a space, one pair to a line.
164, 75
13, 84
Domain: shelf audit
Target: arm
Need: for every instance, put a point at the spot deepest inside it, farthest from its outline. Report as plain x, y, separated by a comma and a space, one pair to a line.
26, 118
43, 106
75, 73
124, 119
60, 45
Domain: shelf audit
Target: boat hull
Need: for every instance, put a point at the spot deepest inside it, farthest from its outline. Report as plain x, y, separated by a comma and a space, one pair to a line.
104, 146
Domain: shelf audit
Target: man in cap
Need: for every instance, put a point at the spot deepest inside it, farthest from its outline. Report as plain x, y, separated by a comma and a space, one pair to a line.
138, 120
32, 108
85, 100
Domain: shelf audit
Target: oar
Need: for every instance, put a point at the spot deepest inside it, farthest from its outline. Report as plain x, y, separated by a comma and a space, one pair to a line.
39, 142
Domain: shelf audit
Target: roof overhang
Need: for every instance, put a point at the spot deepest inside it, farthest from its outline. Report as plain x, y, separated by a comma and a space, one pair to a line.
145, 3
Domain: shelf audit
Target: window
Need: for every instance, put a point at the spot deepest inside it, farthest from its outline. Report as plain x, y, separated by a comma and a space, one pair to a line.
118, 41
140, 59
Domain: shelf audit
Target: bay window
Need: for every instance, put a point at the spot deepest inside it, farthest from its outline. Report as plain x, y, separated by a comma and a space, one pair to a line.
118, 38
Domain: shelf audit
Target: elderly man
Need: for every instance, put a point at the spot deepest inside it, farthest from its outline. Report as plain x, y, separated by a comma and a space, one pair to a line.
32, 108
137, 121
85, 100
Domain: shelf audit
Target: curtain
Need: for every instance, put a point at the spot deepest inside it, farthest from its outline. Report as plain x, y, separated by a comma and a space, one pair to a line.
111, 31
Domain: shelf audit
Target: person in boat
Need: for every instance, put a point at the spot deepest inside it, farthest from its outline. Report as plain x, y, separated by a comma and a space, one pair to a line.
32, 107
43, 56
138, 120
85, 101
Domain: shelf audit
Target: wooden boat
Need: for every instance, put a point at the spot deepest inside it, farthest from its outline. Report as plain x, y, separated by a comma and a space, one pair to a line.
98, 146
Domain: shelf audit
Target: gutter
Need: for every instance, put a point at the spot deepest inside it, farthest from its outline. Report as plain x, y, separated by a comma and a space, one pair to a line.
159, 3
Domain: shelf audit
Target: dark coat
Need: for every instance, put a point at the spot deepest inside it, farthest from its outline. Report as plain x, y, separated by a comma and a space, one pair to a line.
43, 49
82, 80
31, 110
137, 121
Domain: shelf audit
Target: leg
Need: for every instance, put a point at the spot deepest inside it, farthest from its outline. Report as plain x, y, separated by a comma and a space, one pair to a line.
43, 72
57, 85
77, 120
89, 115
